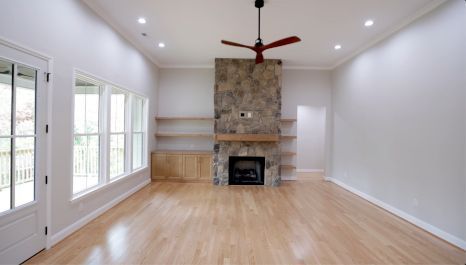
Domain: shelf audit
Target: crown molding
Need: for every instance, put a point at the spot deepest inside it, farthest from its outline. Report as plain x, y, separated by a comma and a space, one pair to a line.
100, 12
210, 66
187, 66
315, 68
393, 30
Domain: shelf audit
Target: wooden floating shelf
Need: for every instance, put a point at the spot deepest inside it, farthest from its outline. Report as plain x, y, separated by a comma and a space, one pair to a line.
288, 153
288, 137
287, 167
184, 119
176, 134
288, 120
236, 137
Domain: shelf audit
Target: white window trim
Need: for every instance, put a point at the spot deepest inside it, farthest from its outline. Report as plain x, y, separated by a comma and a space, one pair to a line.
104, 135
144, 125
125, 132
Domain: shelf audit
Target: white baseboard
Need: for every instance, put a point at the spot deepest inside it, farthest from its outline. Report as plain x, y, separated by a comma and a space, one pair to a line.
403, 215
59, 236
289, 178
307, 170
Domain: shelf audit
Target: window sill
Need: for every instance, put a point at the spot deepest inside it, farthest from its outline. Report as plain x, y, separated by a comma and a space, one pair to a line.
92, 191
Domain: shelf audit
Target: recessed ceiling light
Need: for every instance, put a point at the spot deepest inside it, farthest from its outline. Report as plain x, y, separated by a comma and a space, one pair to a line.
369, 23
161, 45
337, 47
142, 20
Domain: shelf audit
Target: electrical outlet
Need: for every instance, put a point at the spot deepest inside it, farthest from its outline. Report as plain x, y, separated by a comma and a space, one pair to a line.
245, 115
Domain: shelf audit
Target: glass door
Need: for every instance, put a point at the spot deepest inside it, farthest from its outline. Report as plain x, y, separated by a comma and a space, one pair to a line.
23, 109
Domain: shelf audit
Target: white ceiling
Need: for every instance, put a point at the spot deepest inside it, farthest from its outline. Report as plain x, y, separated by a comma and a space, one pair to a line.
192, 29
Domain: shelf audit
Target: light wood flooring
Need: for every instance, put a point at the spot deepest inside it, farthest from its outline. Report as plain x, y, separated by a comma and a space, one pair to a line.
304, 222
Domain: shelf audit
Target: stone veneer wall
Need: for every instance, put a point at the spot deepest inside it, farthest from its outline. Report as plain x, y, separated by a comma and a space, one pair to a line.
241, 85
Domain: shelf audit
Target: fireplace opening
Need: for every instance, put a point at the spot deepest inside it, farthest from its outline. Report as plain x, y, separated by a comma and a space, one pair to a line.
246, 170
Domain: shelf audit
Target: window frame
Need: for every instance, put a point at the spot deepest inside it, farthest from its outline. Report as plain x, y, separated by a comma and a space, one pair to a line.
143, 132
125, 133
105, 133
100, 178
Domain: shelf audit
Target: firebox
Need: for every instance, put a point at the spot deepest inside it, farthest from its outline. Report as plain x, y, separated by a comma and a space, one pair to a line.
246, 170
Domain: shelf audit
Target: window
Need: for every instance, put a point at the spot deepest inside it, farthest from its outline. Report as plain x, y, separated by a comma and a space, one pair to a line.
138, 132
17, 135
109, 134
86, 166
117, 132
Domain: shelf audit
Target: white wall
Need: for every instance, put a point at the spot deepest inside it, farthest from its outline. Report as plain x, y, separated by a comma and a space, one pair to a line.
311, 138
399, 120
186, 92
310, 88
75, 37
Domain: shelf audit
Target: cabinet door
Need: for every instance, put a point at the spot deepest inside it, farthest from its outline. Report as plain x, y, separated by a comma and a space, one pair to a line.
175, 166
159, 166
205, 167
191, 167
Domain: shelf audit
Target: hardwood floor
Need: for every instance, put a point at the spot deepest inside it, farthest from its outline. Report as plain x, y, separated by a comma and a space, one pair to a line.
305, 222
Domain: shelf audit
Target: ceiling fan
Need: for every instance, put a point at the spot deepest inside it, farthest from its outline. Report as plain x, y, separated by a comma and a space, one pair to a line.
259, 46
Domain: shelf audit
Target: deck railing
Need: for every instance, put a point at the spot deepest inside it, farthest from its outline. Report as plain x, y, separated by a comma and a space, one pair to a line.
86, 163
24, 164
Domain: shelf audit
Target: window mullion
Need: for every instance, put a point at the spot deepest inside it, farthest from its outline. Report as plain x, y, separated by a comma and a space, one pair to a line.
13, 140
129, 133
144, 125
105, 163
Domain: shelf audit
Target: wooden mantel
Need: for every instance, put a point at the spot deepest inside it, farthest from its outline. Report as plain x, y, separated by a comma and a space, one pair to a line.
238, 137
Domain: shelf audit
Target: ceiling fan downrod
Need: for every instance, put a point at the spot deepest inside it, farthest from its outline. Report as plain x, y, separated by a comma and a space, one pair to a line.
259, 4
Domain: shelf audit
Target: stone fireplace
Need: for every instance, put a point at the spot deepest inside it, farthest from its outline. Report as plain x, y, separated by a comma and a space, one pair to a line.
247, 102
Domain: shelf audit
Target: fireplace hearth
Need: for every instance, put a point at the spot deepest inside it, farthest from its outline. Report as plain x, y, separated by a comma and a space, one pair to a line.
246, 170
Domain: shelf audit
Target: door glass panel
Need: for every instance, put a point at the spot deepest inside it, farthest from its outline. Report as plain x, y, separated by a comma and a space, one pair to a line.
24, 170
25, 101
86, 163
6, 77
5, 174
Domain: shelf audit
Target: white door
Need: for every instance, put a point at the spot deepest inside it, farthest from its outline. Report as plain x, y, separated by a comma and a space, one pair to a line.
23, 111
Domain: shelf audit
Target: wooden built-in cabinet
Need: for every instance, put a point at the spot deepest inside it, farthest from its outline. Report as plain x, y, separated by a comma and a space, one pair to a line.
195, 166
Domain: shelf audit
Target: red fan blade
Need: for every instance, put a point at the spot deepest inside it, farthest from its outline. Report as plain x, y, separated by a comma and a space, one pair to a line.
236, 44
259, 58
282, 42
